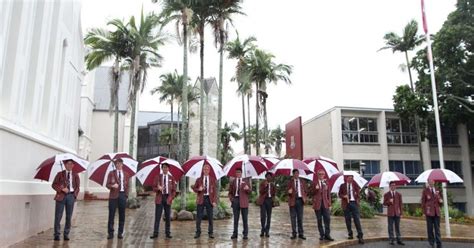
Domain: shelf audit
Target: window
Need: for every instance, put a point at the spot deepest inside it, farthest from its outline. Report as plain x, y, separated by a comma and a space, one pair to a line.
411, 169
454, 166
449, 135
372, 167
359, 130
400, 131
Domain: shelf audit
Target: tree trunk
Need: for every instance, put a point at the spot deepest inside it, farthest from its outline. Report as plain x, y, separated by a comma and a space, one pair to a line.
265, 125
249, 146
184, 128
178, 133
116, 72
257, 138
201, 105
244, 125
171, 129
219, 104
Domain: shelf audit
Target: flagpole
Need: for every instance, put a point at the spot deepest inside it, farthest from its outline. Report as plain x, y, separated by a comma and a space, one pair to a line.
436, 112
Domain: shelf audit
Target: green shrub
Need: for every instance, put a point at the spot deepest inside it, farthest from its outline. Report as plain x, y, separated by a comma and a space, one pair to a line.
190, 203
366, 211
418, 212
454, 213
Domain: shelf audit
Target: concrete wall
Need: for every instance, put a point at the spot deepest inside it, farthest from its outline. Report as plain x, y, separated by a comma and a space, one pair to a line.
317, 137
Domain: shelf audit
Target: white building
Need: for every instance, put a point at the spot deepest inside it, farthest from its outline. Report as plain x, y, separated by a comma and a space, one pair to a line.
381, 141
41, 72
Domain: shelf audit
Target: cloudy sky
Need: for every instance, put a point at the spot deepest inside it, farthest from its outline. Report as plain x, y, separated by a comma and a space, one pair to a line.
332, 46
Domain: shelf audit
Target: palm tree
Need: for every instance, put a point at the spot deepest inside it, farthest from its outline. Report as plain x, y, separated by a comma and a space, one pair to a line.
226, 135
239, 50
221, 17
407, 42
103, 46
166, 137
277, 138
263, 70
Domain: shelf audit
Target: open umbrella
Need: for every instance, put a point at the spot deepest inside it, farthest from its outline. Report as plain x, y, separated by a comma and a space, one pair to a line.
338, 179
251, 166
286, 166
193, 167
48, 169
149, 169
384, 179
270, 160
321, 163
100, 169
439, 175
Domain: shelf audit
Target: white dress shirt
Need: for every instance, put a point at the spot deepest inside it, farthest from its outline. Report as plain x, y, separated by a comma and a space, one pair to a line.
206, 182
71, 188
298, 186
120, 175
351, 189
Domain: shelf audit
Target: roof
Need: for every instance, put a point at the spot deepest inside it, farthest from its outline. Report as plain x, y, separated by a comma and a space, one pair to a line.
349, 108
146, 118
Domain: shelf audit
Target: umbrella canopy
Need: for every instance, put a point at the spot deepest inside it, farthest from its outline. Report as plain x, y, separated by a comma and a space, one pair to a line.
385, 178
152, 167
100, 169
338, 179
286, 166
321, 163
439, 175
270, 160
48, 169
251, 166
193, 167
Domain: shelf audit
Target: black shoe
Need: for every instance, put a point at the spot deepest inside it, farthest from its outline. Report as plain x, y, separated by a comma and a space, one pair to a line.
400, 243
120, 236
154, 236
267, 235
245, 237
56, 238
350, 237
233, 236
293, 236
197, 235
321, 238
302, 237
392, 243
329, 238
211, 236
66, 238
168, 236
262, 234
110, 236
361, 241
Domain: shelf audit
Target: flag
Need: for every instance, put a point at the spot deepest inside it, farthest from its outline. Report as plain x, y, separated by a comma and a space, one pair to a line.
423, 13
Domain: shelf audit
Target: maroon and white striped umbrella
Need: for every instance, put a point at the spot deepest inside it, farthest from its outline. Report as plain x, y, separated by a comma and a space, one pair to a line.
286, 166
315, 164
100, 169
439, 175
384, 179
251, 166
270, 160
338, 179
149, 169
48, 169
193, 167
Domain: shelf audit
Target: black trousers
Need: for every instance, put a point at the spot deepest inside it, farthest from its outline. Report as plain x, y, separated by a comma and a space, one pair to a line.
67, 202
394, 220
237, 210
210, 216
158, 211
266, 214
432, 224
120, 203
323, 214
352, 210
296, 214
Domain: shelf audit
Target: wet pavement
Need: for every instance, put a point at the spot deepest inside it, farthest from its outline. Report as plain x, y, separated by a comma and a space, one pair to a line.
414, 244
89, 230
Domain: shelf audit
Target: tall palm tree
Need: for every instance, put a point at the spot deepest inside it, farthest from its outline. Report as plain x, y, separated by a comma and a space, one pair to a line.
277, 138
226, 135
239, 50
167, 137
222, 16
262, 70
104, 45
405, 43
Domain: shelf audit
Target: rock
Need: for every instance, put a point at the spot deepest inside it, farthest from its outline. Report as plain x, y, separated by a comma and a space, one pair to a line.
133, 203
194, 214
185, 215
174, 214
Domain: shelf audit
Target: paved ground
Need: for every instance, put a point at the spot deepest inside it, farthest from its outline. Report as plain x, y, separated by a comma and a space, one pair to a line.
413, 244
89, 230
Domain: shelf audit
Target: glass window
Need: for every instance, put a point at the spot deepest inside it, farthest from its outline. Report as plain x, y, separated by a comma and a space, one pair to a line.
359, 130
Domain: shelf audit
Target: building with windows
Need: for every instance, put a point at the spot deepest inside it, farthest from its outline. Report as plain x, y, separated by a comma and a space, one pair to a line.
371, 140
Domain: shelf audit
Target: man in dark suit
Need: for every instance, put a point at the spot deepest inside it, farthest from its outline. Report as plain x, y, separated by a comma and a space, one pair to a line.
66, 183
296, 199
239, 190
430, 202
206, 191
265, 201
165, 187
393, 200
349, 194
117, 183
321, 205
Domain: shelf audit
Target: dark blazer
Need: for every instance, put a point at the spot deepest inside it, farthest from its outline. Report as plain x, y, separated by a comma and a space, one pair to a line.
430, 202
212, 185
263, 190
343, 192
244, 194
112, 179
60, 182
320, 194
393, 208
171, 190
292, 197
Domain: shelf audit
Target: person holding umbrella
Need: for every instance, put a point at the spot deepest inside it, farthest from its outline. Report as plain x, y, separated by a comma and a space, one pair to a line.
321, 205
393, 200
165, 187
66, 183
265, 201
296, 199
349, 194
239, 190
430, 203
117, 183
206, 190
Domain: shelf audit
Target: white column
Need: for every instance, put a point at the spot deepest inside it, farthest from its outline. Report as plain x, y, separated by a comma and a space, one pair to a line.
337, 147
382, 129
466, 167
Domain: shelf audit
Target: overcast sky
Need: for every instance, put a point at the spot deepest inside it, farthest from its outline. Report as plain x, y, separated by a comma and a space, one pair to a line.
332, 46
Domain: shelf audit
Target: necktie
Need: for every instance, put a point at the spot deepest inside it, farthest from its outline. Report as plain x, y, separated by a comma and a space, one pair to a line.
349, 192
68, 183
238, 187
120, 180
321, 188
205, 185
269, 192
166, 184
297, 187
